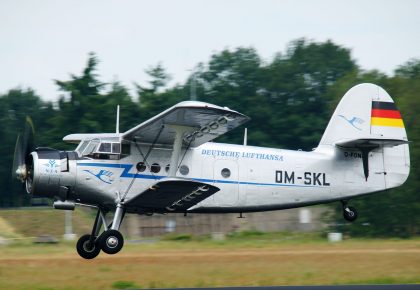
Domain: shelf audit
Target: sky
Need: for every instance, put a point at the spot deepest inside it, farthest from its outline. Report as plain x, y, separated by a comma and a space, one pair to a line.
47, 39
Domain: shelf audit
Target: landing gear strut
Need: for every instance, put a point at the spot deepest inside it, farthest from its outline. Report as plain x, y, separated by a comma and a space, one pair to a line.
110, 241
349, 212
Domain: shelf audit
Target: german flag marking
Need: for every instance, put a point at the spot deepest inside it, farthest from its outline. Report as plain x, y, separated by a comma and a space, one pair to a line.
386, 114
384, 105
387, 122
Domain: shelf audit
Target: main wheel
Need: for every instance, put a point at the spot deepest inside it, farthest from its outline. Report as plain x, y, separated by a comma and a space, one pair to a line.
350, 214
111, 241
86, 249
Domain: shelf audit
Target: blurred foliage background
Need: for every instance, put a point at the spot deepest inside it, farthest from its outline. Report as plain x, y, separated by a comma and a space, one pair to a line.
290, 100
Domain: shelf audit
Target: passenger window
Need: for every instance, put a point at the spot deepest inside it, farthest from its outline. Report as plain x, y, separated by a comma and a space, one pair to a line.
155, 168
184, 170
141, 167
225, 172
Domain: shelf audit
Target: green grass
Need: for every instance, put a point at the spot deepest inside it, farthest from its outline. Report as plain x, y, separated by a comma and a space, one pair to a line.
243, 259
249, 258
32, 222
125, 285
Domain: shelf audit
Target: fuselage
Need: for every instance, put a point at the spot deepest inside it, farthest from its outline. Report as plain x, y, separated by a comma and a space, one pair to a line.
250, 178
364, 149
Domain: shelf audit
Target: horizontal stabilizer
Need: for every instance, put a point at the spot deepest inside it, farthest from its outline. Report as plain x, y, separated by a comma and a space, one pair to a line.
370, 142
365, 145
170, 195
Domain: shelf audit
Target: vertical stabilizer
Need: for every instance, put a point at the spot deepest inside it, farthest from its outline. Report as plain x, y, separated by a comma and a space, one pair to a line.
367, 120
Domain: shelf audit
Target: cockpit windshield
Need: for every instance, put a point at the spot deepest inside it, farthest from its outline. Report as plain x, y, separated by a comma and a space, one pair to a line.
99, 149
81, 147
90, 147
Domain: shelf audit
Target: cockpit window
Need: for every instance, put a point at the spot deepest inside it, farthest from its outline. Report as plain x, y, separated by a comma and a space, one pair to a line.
82, 146
102, 150
91, 147
105, 147
116, 148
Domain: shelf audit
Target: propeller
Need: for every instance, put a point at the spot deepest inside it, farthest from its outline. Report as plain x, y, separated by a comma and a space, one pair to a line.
22, 163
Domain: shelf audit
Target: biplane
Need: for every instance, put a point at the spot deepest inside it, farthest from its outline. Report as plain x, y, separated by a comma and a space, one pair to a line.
170, 164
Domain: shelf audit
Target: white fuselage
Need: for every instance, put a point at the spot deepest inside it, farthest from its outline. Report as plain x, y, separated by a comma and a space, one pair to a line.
250, 178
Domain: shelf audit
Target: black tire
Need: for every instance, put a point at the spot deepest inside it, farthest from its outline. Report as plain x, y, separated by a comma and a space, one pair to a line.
350, 214
85, 249
111, 241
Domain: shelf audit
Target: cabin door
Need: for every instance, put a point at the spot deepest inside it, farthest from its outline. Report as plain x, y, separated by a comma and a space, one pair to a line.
226, 177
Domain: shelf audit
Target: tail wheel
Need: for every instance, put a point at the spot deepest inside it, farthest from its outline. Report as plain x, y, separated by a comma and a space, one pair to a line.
111, 241
86, 249
350, 214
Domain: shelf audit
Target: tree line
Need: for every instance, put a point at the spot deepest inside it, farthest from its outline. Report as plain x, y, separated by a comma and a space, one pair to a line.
290, 100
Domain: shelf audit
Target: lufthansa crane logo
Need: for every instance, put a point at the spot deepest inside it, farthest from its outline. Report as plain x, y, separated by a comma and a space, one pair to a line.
354, 121
102, 175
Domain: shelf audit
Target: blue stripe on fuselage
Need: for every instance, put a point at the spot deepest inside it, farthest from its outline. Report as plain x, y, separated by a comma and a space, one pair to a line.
125, 173
127, 168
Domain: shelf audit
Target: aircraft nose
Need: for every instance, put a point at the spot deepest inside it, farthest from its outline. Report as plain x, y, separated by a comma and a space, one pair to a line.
51, 173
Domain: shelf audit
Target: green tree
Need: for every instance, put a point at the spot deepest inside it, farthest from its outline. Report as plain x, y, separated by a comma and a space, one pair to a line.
130, 113
296, 87
153, 98
233, 79
88, 106
14, 107
278, 94
78, 105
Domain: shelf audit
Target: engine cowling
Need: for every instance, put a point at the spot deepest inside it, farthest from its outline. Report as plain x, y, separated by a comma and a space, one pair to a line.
51, 173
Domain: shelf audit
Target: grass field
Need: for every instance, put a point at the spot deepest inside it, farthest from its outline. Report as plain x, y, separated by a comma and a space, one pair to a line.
32, 222
243, 259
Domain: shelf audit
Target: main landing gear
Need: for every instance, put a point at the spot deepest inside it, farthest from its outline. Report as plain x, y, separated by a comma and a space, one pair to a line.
349, 212
110, 241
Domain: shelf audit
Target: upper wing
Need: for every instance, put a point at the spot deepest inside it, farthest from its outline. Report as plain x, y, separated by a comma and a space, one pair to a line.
170, 195
204, 122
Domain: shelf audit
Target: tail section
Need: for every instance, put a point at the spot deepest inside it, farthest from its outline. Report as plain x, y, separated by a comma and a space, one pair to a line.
367, 120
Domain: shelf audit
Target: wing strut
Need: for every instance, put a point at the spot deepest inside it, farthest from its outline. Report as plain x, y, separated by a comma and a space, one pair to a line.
176, 152
144, 160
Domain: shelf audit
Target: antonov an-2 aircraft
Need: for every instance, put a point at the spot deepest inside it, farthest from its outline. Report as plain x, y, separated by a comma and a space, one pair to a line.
168, 164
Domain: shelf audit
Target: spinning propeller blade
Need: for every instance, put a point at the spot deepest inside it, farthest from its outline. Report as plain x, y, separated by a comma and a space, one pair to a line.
24, 146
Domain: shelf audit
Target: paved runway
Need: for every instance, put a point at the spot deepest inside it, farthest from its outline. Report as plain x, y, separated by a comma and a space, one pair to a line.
335, 287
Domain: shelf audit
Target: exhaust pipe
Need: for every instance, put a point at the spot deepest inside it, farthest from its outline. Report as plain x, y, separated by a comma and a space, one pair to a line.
64, 205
